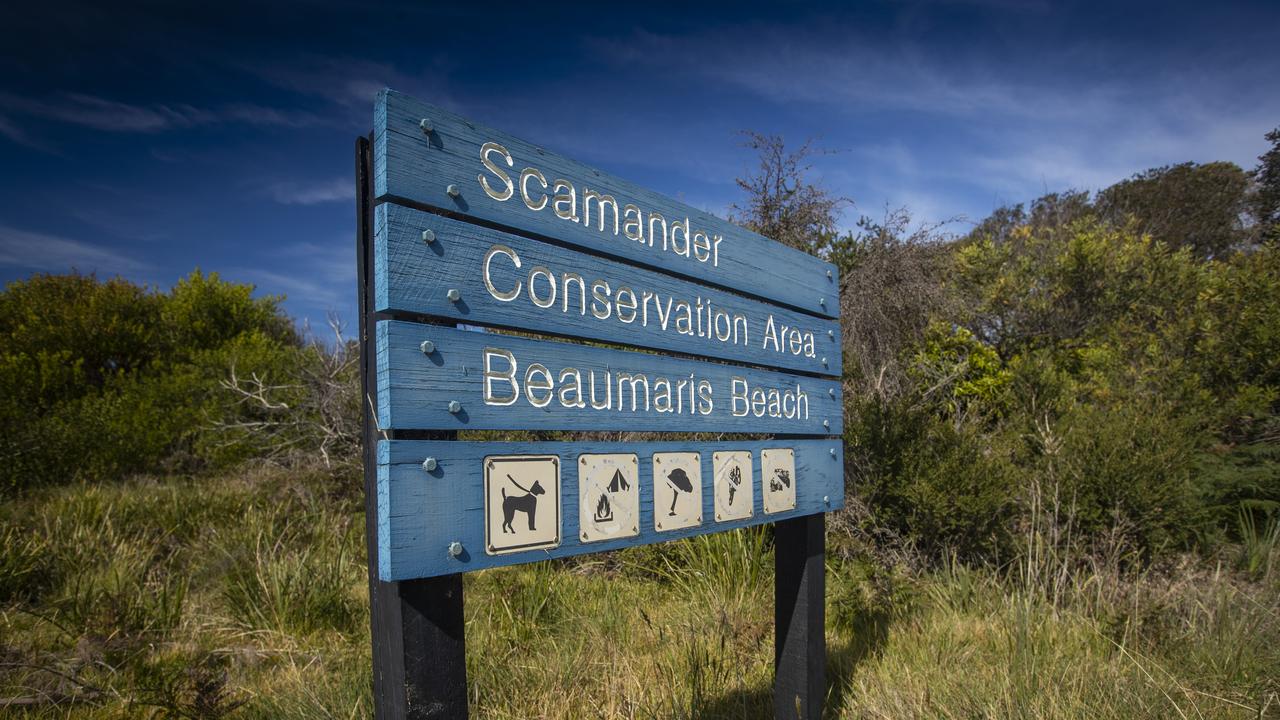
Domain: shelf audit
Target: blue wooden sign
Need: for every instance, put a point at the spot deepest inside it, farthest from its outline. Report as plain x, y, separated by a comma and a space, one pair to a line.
433, 521
677, 322
426, 155
447, 268
431, 377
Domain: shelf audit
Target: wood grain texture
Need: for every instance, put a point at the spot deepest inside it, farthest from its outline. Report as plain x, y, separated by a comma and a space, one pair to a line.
422, 512
415, 388
418, 167
415, 276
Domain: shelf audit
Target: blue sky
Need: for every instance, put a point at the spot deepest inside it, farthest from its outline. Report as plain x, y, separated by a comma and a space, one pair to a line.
146, 140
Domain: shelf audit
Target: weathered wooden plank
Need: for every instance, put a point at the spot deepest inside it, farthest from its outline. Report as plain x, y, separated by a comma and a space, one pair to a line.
511, 281
424, 512
421, 167
632, 390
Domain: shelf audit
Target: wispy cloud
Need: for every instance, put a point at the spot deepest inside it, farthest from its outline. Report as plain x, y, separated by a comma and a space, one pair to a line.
108, 115
346, 81
40, 251
10, 130
295, 193
957, 118
320, 276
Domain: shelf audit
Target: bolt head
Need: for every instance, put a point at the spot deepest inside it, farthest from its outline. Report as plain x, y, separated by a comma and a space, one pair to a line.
833, 452
826, 423
427, 347
455, 549
453, 295
822, 301
426, 125
430, 464
824, 361
828, 274
455, 407
826, 500
831, 334
831, 392
428, 236
453, 191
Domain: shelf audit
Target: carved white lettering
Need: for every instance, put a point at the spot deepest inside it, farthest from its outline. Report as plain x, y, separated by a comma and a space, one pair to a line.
507, 188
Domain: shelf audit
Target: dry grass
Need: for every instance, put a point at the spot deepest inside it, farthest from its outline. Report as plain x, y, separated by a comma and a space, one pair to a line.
245, 597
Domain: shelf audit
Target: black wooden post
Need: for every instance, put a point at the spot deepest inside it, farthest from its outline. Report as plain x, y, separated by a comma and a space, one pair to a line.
419, 658
799, 614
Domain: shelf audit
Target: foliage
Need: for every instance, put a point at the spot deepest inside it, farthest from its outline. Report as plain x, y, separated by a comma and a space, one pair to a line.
1135, 378
1199, 207
782, 203
1265, 200
889, 292
103, 378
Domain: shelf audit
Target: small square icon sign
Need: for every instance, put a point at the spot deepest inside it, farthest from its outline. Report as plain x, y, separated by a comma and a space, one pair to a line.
608, 496
733, 483
521, 503
677, 490
778, 479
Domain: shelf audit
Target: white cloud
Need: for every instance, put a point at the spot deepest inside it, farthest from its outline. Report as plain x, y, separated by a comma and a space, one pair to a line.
295, 193
39, 251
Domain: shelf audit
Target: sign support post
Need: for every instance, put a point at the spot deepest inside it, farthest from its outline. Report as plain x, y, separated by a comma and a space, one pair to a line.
419, 644
799, 615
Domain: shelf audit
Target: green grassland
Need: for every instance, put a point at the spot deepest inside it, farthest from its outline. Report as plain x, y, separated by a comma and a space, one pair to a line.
245, 596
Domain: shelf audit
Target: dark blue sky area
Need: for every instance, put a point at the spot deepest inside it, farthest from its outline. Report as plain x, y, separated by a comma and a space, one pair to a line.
147, 140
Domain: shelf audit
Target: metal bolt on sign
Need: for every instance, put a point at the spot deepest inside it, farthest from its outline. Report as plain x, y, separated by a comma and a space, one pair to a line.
426, 125
455, 549
429, 464
455, 407
427, 347
453, 191
453, 295
428, 236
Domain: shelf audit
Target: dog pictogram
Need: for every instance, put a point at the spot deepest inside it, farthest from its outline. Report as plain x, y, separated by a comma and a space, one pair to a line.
526, 503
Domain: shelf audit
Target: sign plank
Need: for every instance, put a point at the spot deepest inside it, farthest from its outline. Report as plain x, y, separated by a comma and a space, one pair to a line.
511, 281
466, 168
481, 381
422, 514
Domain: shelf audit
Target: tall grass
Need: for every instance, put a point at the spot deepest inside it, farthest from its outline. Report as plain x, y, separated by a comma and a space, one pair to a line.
1260, 544
245, 598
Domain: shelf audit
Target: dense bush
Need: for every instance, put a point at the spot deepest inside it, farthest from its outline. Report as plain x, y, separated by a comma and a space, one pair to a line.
100, 378
1133, 384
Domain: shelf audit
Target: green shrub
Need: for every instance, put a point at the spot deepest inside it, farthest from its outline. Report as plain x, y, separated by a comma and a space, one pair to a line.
104, 378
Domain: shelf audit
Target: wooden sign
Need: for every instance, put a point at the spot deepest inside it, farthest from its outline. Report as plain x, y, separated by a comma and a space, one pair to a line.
505, 287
